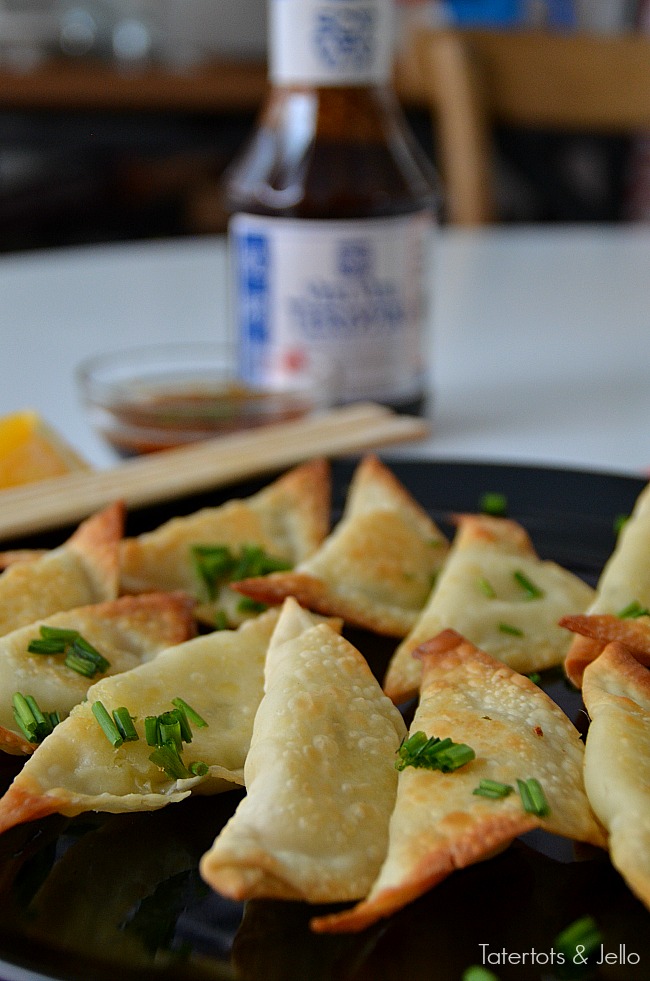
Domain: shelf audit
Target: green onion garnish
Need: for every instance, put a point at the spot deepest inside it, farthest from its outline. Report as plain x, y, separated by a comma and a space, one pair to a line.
124, 723
486, 587
535, 677
530, 589
248, 605
80, 655
199, 768
493, 503
619, 521
508, 628
533, 797
218, 565
583, 933
433, 753
168, 759
34, 724
221, 620
633, 610
191, 713
493, 789
476, 972
107, 724
151, 730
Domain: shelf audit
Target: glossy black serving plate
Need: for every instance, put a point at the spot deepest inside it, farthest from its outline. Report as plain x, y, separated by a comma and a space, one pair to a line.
108, 897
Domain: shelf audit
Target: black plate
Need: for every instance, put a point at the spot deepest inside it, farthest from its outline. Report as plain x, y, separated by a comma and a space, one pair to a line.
102, 897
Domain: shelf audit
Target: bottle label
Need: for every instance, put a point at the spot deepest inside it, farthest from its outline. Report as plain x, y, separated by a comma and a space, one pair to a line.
330, 42
345, 295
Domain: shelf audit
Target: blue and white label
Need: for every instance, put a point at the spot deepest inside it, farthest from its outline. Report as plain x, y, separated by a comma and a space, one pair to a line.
348, 295
330, 42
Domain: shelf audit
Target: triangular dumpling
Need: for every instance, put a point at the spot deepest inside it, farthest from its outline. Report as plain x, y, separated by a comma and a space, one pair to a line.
623, 588
83, 570
320, 775
439, 824
220, 675
126, 631
495, 591
376, 568
616, 692
288, 519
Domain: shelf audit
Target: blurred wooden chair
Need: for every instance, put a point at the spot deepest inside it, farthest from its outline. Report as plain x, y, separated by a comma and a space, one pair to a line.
473, 80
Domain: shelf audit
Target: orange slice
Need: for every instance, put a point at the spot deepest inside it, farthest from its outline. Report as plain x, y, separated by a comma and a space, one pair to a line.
31, 450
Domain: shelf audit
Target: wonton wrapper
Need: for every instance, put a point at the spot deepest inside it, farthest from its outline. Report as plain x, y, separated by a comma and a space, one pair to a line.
616, 692
127, 631
83, 570
489, 550
288, 519
625, 579
376, 568
76, 769
320, 775
438, 824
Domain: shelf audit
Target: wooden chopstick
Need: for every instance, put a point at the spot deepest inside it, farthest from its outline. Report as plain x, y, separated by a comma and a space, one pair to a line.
201, 466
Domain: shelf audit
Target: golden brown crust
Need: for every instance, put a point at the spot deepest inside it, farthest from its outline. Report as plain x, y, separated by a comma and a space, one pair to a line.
477, 592
376, 567
595, 632
96, 540
20, 805
439, 824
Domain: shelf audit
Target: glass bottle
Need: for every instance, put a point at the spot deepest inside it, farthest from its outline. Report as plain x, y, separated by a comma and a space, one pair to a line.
332, 209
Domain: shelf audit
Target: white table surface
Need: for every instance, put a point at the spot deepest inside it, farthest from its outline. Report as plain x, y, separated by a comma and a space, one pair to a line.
540, 337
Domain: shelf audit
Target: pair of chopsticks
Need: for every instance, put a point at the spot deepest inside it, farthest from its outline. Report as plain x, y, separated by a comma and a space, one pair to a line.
202, 466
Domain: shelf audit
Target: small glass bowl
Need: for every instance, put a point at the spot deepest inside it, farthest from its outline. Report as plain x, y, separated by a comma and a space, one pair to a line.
145, 399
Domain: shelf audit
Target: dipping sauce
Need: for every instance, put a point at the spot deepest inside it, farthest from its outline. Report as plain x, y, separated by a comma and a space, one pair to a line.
155, 398
165, 419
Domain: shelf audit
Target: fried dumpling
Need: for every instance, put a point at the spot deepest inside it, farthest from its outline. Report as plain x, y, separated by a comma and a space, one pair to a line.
616, 692
83, 570
439, 824
219, 675
376, 568
286, 521
126, 632
623, 588
495, 591
320, 775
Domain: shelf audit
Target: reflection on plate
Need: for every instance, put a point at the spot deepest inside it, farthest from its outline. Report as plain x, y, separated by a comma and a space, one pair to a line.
119, 896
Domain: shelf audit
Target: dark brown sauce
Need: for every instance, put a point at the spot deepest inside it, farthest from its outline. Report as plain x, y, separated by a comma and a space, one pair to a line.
165, 420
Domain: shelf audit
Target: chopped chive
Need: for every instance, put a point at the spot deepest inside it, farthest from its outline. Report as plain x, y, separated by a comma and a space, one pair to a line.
199, 768
530, 589
535, 677
43, 646
619, 521
151, 730
493, 503
476, 972
633, 610
25, 718
125, 726
248, 605
168, 759
58, 633
107, 724
493, 789
583, 933
433, 753
221, 620
508, 628
533, 797
218, 565
54, 718
169, 729
191, 713
35, 710
486, 587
